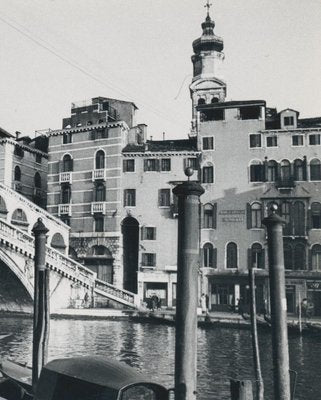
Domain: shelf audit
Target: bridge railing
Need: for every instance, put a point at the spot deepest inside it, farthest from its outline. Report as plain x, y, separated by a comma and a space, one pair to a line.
64, 264
116, 292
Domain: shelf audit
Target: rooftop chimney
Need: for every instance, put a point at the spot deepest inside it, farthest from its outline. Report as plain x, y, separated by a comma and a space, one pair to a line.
18, 134
163, 135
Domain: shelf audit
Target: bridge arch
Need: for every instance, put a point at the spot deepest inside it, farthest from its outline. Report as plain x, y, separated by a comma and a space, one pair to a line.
24, 276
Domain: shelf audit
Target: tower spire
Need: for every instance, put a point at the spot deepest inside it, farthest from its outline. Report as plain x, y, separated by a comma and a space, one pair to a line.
208, 5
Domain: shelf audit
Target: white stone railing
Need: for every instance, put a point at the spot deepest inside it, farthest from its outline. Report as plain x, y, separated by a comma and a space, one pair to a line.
98, 207
64, 265
65, 177
64, 209
98, 174
54, 258
106, 287
18, 198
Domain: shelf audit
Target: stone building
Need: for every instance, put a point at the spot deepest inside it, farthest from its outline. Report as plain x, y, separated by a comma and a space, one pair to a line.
252, 156
113, 187
24, 166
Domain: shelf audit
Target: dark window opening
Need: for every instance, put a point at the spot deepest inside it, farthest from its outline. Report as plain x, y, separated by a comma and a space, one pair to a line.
256, 173
251, 112
213, 115
164, 197
208, 143
17, 174
255, 140
129, 197
100, 160
129, 165
208, 175
99, 224
231, 255
288, 121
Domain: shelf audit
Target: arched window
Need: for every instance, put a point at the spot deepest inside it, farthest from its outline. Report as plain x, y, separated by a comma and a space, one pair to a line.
65, 194
37, 180
298, 170
316, 257
201, 101
208, 174
100, 160
231, 255
288, 256
316, 215
100, 193
3, 208
257, 256
299, 218
215, 100
58, 242
256, 215
17, 174
299, 256
208, 256
208, 216
315, 170
19, 219
256, 171
285, 170
272, 171
67, 163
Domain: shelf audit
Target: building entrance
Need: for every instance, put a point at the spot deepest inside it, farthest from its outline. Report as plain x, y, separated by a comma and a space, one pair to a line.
130, 231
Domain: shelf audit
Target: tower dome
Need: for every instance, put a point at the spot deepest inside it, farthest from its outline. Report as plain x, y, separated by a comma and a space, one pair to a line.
208, 41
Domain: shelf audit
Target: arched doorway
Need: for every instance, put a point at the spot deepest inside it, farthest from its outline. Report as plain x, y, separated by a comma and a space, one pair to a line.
130, 231
100, 260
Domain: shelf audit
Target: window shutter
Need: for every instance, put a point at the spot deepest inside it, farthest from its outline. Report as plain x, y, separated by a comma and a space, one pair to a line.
185, 163
159, 197
263, 258
310, 259
61, 166
155, 234
215, 258
71, 164
249, 258
157, 162
142, 233
248, 216
265, 170
304, 167
124, 199
145, 165
309, 219
202, 257
201, 207
214, 215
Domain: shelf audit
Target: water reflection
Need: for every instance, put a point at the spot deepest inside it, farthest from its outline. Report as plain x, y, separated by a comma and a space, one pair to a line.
222, 353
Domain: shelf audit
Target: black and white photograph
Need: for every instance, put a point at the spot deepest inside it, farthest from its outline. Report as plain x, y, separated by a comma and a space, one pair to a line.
160, 200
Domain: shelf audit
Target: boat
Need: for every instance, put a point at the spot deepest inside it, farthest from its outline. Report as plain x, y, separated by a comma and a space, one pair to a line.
79, 378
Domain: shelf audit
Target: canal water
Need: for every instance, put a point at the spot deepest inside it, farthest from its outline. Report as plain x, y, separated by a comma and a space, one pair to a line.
222, 353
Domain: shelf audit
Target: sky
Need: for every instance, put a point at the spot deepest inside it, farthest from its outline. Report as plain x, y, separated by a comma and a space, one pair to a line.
55, 52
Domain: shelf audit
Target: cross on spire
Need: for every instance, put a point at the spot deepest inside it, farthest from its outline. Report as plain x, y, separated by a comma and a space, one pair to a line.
208, 5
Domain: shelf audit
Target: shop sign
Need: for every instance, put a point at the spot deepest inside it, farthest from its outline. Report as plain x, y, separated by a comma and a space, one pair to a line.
232, 215
314, 285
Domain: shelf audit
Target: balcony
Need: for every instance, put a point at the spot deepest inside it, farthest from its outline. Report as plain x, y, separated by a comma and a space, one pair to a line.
285, 183
98, 174
65, 177
98, 207
64, 209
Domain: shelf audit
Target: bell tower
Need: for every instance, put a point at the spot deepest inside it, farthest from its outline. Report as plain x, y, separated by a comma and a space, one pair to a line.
207, 85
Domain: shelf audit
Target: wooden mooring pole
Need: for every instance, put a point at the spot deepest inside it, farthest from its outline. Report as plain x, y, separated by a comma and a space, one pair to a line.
41, 302
255, 340
187, 283
280, 347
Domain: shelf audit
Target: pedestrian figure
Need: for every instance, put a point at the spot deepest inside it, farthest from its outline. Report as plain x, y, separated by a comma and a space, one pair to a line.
203, 304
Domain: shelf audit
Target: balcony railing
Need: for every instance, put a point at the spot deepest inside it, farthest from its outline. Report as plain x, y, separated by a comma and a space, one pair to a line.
65, 177
285, 183
98, 207
64, 209
98, 174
